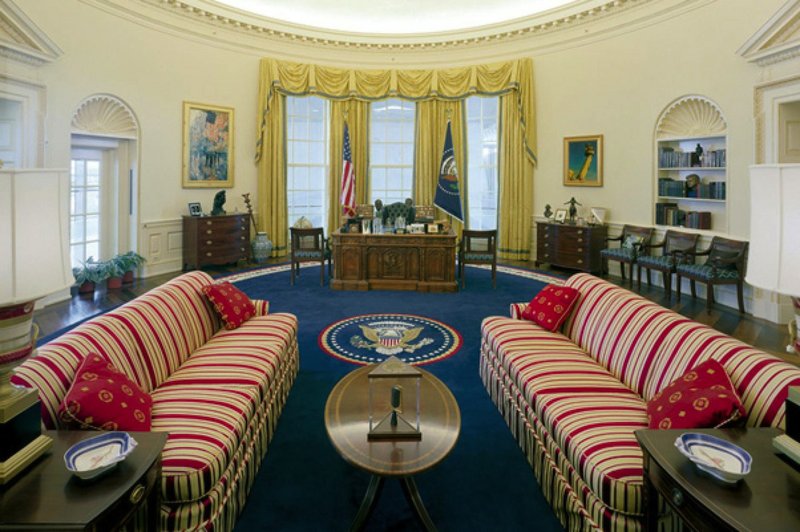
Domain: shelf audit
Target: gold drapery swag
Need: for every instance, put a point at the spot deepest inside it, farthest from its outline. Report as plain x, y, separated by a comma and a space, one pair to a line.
352, 89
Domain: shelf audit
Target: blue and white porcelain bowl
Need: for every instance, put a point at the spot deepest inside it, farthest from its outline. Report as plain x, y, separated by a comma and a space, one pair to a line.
719, 458
98, 454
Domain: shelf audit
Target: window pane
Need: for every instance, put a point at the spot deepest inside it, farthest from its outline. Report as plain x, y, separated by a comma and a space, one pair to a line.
93, 227
76, 255
93, 173
76, 202
78, 172
76, 230
481, 182
92, 249
93, 200
391, 150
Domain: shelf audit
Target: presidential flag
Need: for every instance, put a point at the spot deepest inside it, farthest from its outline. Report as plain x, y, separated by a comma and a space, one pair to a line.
448, 193
348, 196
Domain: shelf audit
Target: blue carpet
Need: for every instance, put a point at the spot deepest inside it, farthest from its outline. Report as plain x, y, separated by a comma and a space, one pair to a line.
303, 484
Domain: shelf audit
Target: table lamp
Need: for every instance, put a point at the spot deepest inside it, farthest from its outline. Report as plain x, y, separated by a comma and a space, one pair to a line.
34, 262
775, 234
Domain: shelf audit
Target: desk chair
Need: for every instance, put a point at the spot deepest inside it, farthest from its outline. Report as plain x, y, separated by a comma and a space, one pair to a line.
310, 245
726, 264
478, 247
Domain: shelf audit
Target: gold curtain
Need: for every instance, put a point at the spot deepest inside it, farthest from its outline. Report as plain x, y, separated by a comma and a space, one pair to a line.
516, 181
271, 203
431, 125
358, 124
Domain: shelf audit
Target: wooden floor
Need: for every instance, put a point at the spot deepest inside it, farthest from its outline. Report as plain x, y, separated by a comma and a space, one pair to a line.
754, 331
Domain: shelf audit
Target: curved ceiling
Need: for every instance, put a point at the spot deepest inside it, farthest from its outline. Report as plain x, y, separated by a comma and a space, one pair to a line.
393, 17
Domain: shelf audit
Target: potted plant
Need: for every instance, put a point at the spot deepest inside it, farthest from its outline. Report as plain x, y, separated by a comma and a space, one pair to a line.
113, 274
129, 262
87, 275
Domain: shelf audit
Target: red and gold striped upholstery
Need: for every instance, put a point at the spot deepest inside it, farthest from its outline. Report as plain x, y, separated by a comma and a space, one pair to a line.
217, 393
573, 400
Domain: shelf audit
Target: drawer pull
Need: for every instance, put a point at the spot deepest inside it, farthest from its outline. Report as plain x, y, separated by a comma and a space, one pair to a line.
677, 497
580, 240
209, 231
209, 222
208, 254
580, 250
209, 242
137, 494
546, 255
580, 261
241, 238
241, 249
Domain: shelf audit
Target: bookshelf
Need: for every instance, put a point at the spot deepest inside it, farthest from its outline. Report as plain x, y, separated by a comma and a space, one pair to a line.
691, 176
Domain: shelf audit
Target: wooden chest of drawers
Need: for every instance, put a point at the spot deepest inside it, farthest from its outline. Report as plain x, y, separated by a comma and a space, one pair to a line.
570, 246
215, 240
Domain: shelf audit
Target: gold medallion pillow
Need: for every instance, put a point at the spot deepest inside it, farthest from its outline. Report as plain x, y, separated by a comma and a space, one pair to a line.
551, 306
232, 305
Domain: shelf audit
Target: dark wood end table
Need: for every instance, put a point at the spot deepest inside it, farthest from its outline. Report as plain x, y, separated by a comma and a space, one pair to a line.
347, 423
768, 498
48, 497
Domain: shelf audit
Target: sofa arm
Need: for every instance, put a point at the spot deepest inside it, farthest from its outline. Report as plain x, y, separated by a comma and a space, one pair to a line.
262, 306
515, 310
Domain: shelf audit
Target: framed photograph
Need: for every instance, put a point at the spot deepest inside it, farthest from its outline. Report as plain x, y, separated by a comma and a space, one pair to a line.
561, 216
598, 216
583, 161
195, 209
207, 146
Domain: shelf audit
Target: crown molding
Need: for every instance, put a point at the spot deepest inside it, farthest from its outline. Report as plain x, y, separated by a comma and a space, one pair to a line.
21, 40
777, 40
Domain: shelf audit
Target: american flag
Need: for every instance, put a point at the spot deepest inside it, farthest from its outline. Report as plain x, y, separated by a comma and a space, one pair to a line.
348, 177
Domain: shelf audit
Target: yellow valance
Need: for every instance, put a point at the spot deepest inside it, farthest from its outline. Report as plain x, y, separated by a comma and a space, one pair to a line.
447, 84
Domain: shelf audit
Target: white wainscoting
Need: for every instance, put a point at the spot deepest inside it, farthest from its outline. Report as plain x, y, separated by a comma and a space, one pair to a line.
161, 242
725, 294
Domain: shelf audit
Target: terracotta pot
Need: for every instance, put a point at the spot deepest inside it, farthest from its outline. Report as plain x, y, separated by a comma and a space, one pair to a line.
86, 288
128, 277
114, 283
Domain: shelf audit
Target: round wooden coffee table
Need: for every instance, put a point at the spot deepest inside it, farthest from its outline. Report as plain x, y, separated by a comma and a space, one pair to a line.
347, 423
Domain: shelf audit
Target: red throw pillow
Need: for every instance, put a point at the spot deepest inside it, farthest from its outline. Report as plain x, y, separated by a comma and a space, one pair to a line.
103, 398
232, 305
702, 398
550, 307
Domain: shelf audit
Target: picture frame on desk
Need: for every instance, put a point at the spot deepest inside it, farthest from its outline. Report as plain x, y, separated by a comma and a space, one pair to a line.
195, 209
583, 161
207, 146
561, 216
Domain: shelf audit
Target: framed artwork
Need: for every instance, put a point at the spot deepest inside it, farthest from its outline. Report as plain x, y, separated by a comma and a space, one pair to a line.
207, 146
195, 209
561, 216
583, 161
598, 215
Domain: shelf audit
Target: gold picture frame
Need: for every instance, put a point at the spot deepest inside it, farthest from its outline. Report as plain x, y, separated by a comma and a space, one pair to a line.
208, 143
583, 161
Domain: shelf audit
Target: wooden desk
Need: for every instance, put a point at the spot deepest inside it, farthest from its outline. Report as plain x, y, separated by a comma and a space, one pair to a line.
422, 262
768, 498
48, 497
347, 423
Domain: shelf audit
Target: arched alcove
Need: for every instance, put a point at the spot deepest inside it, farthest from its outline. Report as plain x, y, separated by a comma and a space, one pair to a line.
105, 115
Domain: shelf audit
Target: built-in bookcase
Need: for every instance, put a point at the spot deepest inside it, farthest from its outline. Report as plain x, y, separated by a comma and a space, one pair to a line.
691, 178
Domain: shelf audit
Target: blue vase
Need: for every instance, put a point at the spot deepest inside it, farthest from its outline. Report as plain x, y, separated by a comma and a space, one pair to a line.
262, 247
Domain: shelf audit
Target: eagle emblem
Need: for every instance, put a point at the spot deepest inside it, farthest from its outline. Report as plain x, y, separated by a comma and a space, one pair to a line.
390, 337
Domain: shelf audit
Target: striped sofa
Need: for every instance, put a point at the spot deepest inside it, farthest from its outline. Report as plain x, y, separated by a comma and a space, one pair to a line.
574, 400
217, 393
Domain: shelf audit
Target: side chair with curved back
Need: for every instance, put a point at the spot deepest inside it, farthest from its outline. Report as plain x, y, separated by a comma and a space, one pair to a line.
631, 241
726, 264
478, 247
674, 244
310, 245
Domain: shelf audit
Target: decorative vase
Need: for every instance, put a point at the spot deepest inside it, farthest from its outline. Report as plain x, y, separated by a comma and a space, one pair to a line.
262, 247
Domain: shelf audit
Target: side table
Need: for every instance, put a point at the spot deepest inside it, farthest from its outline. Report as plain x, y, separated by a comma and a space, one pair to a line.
347, 423
768, 498
48, 497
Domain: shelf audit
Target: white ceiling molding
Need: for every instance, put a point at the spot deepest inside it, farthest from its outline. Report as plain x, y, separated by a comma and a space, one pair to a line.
21, 40
777, 40
691, 116
104, 115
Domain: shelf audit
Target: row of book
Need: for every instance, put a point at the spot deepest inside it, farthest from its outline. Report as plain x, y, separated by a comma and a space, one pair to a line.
677, 188
669, 158
670, 214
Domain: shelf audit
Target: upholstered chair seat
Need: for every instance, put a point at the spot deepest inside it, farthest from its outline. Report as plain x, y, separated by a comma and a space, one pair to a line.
726, 264
677, 248
631, 241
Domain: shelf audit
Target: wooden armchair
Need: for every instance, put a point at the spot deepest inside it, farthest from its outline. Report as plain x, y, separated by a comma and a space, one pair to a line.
310, 245
674, 243
726, 264
632, 239
478, 247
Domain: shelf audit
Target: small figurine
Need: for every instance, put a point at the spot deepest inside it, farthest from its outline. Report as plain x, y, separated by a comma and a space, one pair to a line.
219, 201
697, 156
548, 212
250, 210
573, 209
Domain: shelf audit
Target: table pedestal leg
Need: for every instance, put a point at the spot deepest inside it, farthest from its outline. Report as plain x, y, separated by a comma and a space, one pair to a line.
412, 495
368, 504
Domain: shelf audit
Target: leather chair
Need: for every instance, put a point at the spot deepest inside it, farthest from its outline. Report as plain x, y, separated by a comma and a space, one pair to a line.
478, 247
393, 210
674, 242
632, 239
310, 245
726, 264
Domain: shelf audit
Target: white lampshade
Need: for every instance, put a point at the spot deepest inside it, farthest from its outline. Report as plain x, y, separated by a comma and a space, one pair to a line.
774, 257
34, 254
